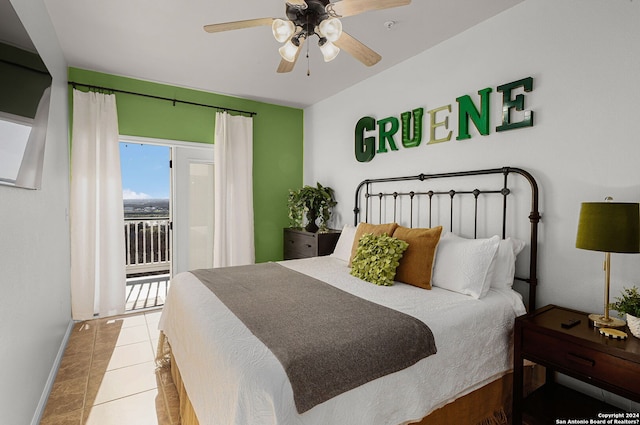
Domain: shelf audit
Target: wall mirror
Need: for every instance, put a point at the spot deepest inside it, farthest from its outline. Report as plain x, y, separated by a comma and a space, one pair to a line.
24, 104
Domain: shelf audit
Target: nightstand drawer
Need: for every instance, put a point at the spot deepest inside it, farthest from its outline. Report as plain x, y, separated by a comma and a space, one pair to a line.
299, 248
575, 359
299, 243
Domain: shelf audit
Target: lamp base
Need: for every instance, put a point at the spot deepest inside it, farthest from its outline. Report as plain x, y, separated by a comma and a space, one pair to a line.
599, 321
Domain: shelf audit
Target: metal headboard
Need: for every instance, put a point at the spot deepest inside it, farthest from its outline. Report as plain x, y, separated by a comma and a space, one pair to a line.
367, 190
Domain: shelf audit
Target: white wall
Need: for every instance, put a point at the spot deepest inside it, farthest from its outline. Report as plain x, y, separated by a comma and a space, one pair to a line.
35, 303
583, 56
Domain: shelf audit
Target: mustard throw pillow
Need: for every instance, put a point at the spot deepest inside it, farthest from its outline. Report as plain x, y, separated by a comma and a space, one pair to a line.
416, 265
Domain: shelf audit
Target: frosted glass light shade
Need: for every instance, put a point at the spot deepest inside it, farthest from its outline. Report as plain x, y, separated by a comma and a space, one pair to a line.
288, 51
331, 29
282, 29
329, 51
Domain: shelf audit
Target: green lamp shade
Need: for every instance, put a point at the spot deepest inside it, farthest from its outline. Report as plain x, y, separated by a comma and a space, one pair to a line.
609, 227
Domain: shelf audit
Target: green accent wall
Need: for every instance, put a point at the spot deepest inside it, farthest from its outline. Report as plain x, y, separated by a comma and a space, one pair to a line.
277, 141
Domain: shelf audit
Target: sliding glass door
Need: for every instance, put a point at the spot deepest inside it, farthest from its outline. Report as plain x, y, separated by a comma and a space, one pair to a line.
168, 191
146, 192
193, 177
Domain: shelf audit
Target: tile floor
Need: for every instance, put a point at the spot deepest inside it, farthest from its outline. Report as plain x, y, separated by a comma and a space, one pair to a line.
108, 376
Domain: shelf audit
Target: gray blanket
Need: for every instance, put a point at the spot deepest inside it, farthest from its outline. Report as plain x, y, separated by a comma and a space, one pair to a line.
327, 340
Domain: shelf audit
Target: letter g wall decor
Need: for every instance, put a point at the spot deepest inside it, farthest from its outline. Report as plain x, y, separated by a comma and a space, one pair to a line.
411, 123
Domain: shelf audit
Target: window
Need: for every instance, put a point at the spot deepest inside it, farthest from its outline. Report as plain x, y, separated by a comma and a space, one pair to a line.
14, 134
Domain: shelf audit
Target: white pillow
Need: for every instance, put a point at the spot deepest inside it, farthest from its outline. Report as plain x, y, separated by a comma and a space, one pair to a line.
503, 268
345, 243
462, 265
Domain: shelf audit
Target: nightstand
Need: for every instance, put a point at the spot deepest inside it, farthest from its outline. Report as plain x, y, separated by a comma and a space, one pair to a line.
298, 243
580, 352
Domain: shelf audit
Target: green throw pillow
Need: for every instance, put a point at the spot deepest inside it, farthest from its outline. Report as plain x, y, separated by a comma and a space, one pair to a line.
377, 258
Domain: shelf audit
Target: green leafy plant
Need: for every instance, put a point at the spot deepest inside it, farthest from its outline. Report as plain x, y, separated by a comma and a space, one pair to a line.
313, 203
628, 303
377, 258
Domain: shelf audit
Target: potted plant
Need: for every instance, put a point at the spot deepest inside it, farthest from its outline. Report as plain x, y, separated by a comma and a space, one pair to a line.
629, 304
313, 203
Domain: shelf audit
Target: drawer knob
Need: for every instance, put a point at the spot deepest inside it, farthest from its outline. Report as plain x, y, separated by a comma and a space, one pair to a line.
580, 360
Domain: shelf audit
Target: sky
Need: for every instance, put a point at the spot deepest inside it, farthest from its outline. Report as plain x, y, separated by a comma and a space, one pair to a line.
145, 171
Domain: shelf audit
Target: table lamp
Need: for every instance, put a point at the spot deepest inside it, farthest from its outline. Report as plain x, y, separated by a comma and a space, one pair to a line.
608, 227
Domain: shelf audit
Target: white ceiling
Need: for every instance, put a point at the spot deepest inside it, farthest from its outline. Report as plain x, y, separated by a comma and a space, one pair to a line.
163, 41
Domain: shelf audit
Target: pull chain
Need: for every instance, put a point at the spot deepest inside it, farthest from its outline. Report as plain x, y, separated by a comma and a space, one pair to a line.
308, 65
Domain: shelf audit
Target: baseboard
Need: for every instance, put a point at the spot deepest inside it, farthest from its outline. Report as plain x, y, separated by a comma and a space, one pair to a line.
598, 393
37, 416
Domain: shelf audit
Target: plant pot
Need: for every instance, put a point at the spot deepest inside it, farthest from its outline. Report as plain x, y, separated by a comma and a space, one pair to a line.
634, 325
311, 223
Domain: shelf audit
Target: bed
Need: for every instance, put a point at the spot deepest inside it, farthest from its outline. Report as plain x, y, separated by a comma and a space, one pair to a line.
229, 371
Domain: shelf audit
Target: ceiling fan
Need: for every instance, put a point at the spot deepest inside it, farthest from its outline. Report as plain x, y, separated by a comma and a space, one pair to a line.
306, 18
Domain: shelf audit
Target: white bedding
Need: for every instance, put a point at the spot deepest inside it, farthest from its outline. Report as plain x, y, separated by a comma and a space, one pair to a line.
232, 378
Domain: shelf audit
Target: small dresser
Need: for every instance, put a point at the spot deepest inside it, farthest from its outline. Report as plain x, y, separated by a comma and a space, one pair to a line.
562, 340
298, 243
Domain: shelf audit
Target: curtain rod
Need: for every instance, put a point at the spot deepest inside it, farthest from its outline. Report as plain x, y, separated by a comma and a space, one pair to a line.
27, 67
90, 86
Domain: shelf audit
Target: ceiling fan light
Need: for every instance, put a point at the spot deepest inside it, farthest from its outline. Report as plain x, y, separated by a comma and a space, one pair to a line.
288, 51
329, 51
282, 29
331, 29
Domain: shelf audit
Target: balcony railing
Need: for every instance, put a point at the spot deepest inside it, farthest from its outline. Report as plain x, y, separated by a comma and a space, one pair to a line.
146, 292
148, 245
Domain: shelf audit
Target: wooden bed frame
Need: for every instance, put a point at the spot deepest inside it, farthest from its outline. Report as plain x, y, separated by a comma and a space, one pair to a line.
491, 403
488, 405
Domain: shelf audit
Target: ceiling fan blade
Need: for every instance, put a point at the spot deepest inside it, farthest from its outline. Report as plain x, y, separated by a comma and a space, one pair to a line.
358, 50
355, 7
298, 3
237, 25
285, 65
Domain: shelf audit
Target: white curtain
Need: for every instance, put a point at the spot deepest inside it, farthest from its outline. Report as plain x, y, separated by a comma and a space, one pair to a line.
30, 172
97, 228
233, 243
